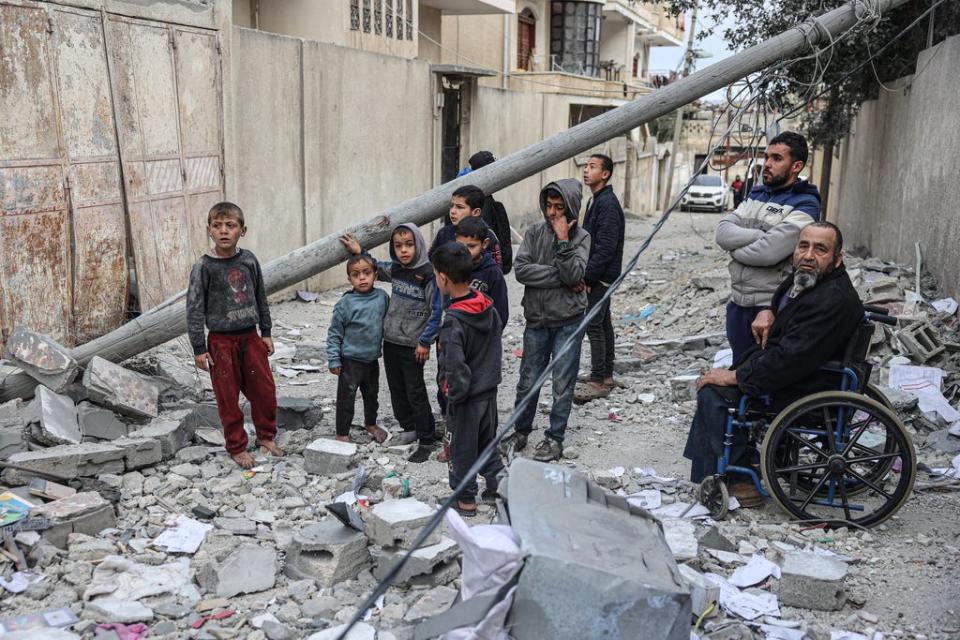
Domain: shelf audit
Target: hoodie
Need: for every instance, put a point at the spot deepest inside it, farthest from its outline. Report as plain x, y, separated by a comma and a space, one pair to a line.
469, 360
549, 268
356, 329
488, 279
413, 316
448, 233
761, 235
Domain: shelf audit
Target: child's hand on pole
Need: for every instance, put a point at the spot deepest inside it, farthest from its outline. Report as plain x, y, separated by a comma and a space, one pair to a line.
351, 243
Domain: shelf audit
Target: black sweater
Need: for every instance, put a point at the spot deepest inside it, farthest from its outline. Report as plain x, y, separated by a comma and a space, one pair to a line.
809, 331
605, 224
469, 357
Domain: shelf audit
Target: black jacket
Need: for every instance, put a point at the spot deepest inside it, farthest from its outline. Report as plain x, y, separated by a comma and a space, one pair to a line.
605, 224
469, 356
811, 330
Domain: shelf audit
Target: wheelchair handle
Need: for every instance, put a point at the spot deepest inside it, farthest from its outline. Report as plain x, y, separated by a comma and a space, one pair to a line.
872, 316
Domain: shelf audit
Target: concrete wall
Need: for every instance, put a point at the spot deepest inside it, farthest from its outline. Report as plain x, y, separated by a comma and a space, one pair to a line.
898, 185
315, 149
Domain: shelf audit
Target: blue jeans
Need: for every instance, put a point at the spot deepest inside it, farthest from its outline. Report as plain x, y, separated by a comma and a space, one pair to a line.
539, 346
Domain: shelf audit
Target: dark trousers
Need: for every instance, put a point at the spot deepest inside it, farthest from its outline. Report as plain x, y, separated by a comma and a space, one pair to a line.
739, 334
408, 391
705, 440
240, 365
472, 426
600, 333
355, 375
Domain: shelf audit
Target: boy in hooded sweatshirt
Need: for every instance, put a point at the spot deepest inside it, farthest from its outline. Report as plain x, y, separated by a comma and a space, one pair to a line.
469, 364
486, 277
409, 328
551, 263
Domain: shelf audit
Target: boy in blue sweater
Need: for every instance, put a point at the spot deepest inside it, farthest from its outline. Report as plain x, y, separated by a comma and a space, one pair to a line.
466, 202
353, 347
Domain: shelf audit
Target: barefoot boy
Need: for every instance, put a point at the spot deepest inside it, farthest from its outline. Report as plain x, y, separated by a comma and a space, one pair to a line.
226, 293
353, 347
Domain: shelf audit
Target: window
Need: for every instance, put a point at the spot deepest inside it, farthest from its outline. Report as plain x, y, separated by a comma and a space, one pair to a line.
355, 15
399, 19
707, 181
575, 37
409, 19
366, 16
378, 17
389, 21
580, 113
526, 39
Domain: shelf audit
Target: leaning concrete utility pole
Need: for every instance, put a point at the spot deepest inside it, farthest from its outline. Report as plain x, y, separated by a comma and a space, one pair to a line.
168, 321
688, 58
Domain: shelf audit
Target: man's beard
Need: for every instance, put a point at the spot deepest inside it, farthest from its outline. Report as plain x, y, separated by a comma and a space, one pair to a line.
804, 280
775, 181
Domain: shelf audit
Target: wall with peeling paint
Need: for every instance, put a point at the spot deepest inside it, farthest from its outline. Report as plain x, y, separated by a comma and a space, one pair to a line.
898, 184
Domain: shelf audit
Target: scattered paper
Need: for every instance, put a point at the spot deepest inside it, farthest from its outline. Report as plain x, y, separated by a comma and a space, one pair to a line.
723, 359
681, 510
283, 351
754, 572
838, 634
773, 632
287, 372
905, 374
20, 580
307, 296
186, 537
617, 472
745, 604
945, 305
646, 499
924, 383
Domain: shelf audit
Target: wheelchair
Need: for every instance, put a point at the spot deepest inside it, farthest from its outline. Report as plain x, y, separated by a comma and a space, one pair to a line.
836, 457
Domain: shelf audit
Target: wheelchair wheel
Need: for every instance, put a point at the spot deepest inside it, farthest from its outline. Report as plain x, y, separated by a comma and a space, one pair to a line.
832, 457
714, 496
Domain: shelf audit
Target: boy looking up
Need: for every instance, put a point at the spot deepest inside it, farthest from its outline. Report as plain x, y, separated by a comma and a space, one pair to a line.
226, 293
550, 263
469, 364
409, 328
605, 223
486, 276
466, 202
353, 347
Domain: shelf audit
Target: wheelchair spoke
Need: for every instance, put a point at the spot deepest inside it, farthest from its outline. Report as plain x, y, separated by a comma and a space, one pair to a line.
869, 484
813, 493
856, 436
844, 500
879, 456
831, 442
802, 467
808, 444
868, 450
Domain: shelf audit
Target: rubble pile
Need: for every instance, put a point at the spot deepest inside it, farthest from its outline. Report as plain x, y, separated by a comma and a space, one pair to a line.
122, 513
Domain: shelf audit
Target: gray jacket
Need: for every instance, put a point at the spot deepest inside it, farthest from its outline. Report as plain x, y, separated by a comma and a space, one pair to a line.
549, 268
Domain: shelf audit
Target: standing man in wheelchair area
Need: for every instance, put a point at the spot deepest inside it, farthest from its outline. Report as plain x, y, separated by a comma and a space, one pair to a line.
761, 234
814, 314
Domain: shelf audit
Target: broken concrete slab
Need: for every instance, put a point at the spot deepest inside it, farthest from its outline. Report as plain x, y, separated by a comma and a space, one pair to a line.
172, 430
327, 552
683, 388
325, 456
812, 581
360, 631
11, 441
704, 592
297, 413
397, 523
98, 424
237, 526
713, 539
10, 413
113, 610
67, 461
57, 421
42, 358
247, 569
120, 389
139, 452
588, 551
85, 512
425, 561
681, 538
431, 603
921, 340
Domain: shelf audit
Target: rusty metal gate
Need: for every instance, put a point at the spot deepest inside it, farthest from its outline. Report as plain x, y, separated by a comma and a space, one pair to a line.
110, 148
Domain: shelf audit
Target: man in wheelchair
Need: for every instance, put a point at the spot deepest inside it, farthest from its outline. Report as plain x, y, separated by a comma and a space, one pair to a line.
815, 313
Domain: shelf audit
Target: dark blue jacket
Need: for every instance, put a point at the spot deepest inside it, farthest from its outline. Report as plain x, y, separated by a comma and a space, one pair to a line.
448, 233
605, 223
487, 278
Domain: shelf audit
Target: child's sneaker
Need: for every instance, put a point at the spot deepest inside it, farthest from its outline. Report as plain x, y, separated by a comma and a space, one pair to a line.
548, 451
516, 440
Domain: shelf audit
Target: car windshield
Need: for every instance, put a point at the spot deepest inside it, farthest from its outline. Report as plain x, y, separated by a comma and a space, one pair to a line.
707, 181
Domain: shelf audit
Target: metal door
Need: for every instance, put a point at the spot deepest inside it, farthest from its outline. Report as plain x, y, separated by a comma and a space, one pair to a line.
450, 141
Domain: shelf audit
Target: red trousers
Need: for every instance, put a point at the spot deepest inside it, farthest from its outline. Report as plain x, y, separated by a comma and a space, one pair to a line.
240, 366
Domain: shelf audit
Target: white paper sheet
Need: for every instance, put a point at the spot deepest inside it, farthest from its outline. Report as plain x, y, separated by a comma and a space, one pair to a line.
646, 499
185, 537
754, 572
945, 305
20, 580
748, 606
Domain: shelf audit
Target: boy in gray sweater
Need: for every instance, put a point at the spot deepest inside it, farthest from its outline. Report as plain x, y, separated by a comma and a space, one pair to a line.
226, 293
353, 347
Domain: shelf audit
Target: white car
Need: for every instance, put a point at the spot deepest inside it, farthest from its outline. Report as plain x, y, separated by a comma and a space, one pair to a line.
707, 192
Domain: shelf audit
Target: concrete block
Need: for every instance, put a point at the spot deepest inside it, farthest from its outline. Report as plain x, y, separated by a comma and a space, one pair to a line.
58, 420
812, 581
67, 461
297, 413
683, 388
248, 569
627, 364
704, 592
87, 512
42, 358
11, 441
713, 539
178, 379
174, 431
236, 526
139, 452
922, 341
121, 389
431, 603
425, 561
114, 610
681, 538
327, 552
396, 523
10, 413
100, 424
325, 456
588, 552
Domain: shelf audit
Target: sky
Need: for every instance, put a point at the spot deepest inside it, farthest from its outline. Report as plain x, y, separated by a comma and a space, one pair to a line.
670, 58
